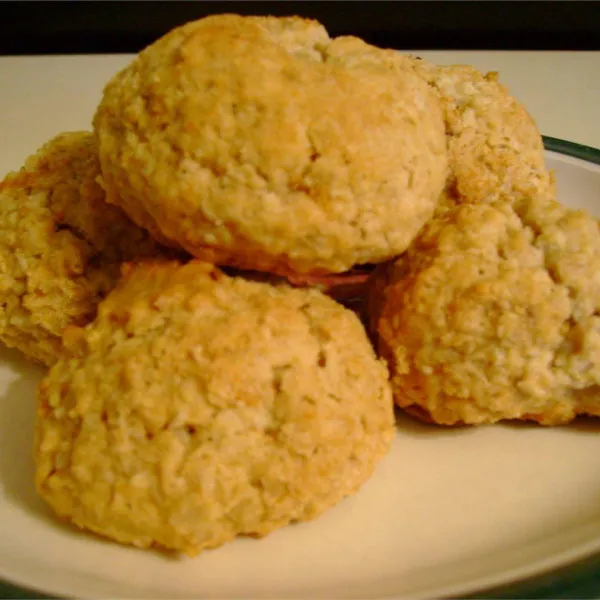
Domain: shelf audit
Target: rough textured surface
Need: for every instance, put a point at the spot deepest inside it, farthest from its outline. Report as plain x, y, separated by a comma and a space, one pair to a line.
60, 245
198, 407
490, 316
495, 150
494, 147
261, 143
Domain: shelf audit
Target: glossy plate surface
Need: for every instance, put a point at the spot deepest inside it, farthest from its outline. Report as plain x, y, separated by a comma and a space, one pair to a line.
448, 512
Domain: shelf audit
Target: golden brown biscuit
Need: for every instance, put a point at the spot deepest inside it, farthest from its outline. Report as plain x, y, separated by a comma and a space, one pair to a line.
198, 407
256, 142
60, 245
490, 317
495, 150
496, 153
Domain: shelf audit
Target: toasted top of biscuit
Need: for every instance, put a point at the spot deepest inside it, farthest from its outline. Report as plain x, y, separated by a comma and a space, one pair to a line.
263, 144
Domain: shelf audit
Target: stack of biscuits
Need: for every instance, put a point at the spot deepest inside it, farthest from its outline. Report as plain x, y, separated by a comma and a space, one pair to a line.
180, 268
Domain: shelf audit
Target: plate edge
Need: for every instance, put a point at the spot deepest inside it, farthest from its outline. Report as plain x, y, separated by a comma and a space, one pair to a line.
581, 151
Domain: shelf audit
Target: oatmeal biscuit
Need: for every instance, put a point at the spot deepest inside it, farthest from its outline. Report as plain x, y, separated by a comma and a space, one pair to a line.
254, 142
198, 407
60, 245
495, 150
489, 316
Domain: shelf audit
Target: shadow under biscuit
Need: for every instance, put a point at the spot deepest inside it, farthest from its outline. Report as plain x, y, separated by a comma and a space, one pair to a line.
586, 424
408, 424
581, 424
412, 425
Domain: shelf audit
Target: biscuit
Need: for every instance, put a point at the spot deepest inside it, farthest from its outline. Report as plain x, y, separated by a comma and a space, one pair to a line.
495, 149
491, 316
198, 407
60, 245
256, 142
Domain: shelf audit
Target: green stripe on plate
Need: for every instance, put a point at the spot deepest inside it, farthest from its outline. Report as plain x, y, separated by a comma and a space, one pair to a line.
572, 149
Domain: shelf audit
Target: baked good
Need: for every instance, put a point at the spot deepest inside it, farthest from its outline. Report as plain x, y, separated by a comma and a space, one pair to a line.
495, 149
261, 143
198, 407
492, 316
60, 245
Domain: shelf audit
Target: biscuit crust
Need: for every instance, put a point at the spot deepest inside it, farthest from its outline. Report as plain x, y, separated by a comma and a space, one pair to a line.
60, 245
198, 407
261, 143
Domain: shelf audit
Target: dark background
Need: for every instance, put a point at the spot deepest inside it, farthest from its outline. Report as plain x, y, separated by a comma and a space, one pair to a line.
108, 26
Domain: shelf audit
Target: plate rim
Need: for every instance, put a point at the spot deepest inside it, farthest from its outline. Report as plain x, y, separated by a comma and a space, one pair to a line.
581, 151
578, 579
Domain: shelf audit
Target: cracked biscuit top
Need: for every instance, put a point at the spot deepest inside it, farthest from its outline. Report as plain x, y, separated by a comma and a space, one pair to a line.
261, 143
60, 245
198, 407
493, 316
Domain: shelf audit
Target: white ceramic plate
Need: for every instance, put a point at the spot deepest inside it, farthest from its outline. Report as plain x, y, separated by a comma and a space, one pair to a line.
448, 512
